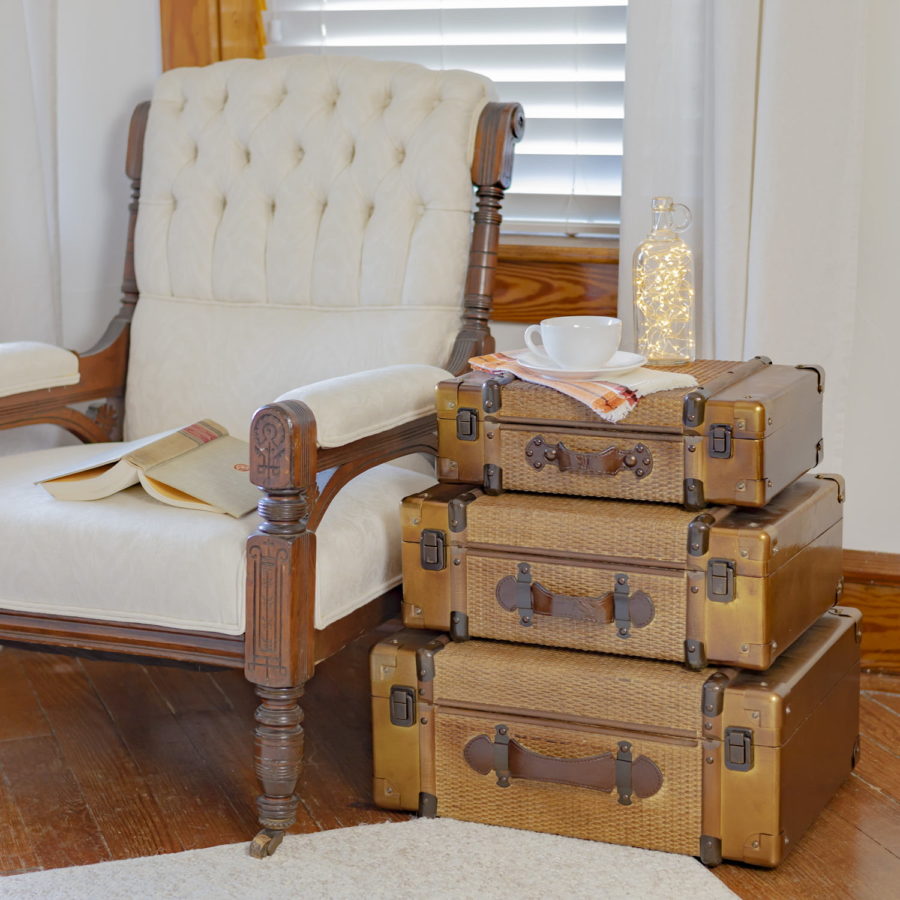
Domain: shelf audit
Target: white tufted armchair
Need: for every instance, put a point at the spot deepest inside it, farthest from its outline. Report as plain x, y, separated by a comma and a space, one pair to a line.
300, 244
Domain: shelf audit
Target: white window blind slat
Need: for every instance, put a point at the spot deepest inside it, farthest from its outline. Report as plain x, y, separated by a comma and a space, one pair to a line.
565, 62
364, 5
450, 27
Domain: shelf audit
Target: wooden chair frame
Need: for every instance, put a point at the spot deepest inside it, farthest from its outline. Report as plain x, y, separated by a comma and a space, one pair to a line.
281, 645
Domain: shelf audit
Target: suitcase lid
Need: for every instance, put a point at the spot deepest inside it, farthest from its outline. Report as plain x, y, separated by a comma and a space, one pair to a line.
570, 686
761, 403
506, 398
442, 507
773, 704
760, 541
393, 661
752, 398
756, 541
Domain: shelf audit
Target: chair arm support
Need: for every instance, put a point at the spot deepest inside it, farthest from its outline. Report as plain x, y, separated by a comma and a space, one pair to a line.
31, 366
285, 459
353, 407
96, 377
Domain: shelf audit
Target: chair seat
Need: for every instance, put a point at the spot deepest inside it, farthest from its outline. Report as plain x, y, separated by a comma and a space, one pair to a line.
130, 558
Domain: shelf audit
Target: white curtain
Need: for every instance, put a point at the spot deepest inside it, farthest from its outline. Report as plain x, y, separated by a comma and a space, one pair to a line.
29, 227
751, 112
29, 244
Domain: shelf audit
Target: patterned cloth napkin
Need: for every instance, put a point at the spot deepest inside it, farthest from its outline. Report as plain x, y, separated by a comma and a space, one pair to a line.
611, 400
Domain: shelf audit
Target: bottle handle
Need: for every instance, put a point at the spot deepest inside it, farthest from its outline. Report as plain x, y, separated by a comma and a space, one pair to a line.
688, 218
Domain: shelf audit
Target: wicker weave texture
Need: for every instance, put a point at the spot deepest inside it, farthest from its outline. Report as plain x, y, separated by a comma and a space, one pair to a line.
569, 683
665, 483
670, 820
522, 400
662, 638
649, 531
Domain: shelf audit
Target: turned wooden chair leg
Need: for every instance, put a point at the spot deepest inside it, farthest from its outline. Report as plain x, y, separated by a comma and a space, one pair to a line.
279, 757
281, 580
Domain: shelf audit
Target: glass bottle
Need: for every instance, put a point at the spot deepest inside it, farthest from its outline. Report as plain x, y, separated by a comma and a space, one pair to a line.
663, 281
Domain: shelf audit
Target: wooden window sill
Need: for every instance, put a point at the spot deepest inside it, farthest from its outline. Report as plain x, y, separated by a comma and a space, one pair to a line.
539, 277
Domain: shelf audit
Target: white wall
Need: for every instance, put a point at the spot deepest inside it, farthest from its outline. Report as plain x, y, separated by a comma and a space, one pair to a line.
108, 59
873, 425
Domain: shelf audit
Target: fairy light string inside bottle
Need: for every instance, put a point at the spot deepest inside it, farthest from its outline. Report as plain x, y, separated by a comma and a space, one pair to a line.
663, 281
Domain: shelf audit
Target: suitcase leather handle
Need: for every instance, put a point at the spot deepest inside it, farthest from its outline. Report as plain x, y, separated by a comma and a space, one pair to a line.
530, 598
504, 755
639, 459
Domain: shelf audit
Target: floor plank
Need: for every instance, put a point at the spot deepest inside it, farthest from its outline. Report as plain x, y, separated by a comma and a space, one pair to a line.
172, 767
880, 681
878, 768
879, 724
119, 798
22, 714
889, 701
46, 820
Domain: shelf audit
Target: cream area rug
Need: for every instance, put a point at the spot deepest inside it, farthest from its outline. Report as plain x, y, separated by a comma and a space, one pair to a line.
422, 858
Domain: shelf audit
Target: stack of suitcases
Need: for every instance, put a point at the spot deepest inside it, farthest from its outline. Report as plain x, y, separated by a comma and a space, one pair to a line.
625, 632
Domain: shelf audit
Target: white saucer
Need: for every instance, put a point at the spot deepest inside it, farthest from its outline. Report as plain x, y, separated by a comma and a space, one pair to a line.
622, 361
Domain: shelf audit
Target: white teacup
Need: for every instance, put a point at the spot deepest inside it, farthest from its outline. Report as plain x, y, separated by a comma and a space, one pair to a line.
576, 342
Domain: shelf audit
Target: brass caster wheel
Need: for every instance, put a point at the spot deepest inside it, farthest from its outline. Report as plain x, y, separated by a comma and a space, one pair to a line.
265, 843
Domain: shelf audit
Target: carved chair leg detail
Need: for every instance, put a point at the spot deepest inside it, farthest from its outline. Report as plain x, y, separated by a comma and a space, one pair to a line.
279, 756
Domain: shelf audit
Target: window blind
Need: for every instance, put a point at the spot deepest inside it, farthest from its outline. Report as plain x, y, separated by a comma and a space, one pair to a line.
563, 61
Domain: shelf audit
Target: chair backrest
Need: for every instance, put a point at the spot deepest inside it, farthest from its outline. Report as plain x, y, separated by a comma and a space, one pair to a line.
300, 218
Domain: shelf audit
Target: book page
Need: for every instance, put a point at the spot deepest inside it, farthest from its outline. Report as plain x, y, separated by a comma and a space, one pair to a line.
106, 455
215, 473
93, 484
172, 496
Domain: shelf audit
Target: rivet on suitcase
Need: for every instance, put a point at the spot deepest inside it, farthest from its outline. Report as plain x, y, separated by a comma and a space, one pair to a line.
730, 586
747, 432
721, 764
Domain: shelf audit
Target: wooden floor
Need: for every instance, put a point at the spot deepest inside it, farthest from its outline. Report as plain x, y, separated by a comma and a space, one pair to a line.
108, 759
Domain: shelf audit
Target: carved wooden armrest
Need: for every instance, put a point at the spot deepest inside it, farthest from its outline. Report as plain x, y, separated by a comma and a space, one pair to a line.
287, 431
101, 382
284, 461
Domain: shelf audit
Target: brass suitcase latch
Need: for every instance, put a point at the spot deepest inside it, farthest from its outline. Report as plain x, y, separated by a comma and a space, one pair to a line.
739, 749
719, 442
431, 550
720, 580
467, 424
403, 706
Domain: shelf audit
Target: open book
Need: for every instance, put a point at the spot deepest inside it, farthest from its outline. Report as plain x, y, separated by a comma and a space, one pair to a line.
198, 467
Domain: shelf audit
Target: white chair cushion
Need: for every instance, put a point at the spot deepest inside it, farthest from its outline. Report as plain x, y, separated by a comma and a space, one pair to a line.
357, 406
31, 366
129, 558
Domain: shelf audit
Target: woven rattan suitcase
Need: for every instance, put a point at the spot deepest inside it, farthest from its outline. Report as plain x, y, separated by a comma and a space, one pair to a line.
747, 432
729, 585
719, 763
